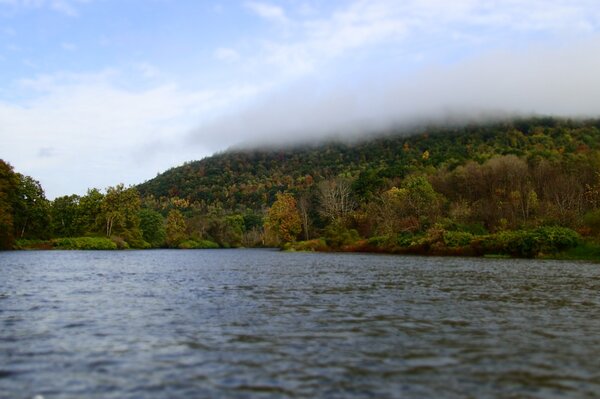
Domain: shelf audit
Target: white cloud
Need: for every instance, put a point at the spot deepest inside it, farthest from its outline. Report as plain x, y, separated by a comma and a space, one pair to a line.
85, 130
94, 129
267, 11
429, 23
148, 70
560, 81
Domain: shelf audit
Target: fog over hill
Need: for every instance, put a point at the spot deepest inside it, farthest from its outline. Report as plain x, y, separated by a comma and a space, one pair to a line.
100, 93
560, 81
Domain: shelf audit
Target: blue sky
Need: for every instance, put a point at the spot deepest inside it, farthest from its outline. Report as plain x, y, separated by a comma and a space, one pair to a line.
97, 92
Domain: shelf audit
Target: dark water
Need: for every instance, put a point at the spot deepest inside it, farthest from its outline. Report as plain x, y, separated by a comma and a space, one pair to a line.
254, 323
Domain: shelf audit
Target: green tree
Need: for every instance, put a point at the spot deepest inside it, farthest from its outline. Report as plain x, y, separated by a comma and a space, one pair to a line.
175, 228
63, 212
9, 183
283, 219
32, 216
368, 184
407, 208
152, 224
89, 212
120, 208
418, 197
234, 229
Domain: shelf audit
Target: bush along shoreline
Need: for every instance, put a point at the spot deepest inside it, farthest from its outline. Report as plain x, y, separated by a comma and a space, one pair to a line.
102, 244
543, 242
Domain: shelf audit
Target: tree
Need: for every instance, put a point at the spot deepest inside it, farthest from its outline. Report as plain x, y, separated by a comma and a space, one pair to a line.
407, 208
367, 184
152, 225
336, 199
304, 208
283, 220
120, 208
63, 212
89, 212
31, 217
235, 229
388, 216
418, 197
175, 228
8, 188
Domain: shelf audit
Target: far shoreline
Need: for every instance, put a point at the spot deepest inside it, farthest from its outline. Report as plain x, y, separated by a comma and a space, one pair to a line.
580, 253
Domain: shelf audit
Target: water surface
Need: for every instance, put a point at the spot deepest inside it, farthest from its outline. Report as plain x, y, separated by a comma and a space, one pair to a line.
260, 323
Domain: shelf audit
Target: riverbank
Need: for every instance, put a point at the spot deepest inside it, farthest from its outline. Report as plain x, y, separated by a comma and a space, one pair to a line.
102, 243
542, 243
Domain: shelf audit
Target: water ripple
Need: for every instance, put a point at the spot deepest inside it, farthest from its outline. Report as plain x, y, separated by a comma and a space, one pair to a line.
259, 323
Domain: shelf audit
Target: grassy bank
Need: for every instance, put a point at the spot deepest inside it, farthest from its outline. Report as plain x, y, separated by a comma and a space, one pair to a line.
69, 243
101, 243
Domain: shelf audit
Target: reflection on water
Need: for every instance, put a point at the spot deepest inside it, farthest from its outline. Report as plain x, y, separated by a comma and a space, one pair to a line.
258, 323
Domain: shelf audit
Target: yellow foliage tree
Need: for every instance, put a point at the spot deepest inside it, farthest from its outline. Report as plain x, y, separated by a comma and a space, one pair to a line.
283, 219
175, 228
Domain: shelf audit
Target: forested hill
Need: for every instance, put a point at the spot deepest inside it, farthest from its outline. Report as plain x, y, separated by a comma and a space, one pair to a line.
519, 188
250, 179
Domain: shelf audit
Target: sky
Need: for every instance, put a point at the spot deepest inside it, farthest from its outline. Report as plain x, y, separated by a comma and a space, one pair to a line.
99, 92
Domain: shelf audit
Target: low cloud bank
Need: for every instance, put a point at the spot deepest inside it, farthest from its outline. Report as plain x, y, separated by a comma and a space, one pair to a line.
560, 81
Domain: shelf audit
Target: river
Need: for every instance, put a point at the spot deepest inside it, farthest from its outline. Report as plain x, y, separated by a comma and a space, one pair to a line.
263, 323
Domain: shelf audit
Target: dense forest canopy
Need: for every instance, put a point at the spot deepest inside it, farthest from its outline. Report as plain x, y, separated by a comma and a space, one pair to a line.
244, 179
441, 187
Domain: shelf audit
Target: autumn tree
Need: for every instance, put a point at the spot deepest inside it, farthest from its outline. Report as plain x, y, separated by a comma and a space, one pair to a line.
283, 220
175, 228
387, 213
336, 199
304, 205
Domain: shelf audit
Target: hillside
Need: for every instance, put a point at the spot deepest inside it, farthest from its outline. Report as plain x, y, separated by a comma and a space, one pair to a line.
249, 179
523, 188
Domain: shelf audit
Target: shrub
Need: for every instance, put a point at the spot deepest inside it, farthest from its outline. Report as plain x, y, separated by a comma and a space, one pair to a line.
201, 244
591, 220
455, 239
379, 241
520, 243
337, 235
473, 228
584, 251
555, 239
527, 243
98, 243
120, 242
316, 245
32, 244
407, 239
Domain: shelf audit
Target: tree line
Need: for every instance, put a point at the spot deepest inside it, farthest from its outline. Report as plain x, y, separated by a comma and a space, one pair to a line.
117, 217
520, 187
